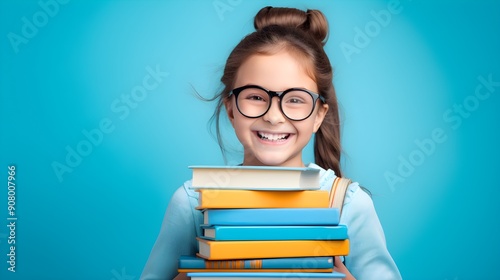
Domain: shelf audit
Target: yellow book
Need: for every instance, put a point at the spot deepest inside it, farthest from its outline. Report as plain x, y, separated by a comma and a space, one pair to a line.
214, 198
222, 250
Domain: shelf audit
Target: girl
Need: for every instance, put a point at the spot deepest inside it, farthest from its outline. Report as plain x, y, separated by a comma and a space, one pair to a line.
278, 91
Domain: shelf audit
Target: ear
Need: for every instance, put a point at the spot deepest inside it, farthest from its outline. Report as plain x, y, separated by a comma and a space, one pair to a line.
229, 105
320, 116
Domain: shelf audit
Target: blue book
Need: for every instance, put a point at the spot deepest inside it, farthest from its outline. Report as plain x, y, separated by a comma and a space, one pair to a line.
226, 233
255, 177
307, 264
274, 216
263, 275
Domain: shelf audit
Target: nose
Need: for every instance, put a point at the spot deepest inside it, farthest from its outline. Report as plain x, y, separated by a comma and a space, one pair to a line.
274, 114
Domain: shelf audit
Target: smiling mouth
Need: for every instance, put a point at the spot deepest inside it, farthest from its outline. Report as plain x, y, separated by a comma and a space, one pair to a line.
275, 137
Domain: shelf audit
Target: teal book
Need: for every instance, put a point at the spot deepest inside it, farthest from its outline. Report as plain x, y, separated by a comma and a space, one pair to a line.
255, 178
307, 264
272, 216
235, 233
263, 275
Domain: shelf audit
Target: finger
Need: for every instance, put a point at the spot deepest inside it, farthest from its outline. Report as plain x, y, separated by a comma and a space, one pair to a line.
181, 276
340, 267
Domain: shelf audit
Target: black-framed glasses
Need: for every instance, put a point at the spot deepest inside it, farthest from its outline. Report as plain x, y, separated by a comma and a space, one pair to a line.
296, 104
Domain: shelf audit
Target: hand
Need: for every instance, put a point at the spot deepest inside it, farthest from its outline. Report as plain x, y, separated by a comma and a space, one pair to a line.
181, 276
340, 267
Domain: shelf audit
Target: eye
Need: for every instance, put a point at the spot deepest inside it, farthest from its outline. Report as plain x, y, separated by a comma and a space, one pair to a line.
297, 97
295, 100
254, 95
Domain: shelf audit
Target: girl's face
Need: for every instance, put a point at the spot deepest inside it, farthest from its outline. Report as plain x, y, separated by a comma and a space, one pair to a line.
273, 139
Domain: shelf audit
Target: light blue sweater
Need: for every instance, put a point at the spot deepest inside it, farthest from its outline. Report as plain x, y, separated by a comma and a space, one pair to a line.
368, 257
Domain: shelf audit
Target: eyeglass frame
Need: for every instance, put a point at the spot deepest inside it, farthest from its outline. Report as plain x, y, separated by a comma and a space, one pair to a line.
315, 96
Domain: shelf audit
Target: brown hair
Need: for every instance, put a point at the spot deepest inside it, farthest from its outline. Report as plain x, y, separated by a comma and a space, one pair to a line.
304, 34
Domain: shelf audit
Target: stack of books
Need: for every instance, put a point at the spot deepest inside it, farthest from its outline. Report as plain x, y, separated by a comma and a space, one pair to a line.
264, 223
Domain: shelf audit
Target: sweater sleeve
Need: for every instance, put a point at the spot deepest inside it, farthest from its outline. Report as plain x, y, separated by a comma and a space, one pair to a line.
177, 237
368, 257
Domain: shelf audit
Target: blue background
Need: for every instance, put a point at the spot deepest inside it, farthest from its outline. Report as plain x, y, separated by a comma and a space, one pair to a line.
100, 219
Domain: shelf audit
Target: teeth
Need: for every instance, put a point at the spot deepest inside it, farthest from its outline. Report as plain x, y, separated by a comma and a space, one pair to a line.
272, 136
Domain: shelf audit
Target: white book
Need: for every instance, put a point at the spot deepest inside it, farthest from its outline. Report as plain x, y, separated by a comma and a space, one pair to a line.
264, 275
255, 177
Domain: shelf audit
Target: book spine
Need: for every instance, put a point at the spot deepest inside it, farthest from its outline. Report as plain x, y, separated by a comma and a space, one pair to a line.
268, 275
288, 270
244, 177
276, 263
276, 216
217, 250
262, 199
227, 233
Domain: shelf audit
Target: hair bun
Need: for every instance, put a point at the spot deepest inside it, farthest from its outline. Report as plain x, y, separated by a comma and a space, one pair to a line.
312, 22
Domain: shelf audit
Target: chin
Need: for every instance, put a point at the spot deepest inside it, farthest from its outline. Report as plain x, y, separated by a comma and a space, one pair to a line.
274, 161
